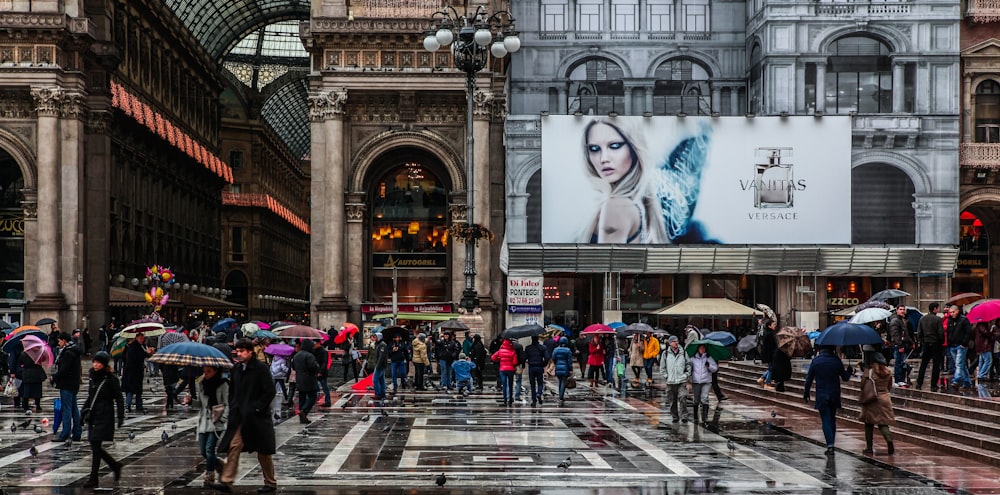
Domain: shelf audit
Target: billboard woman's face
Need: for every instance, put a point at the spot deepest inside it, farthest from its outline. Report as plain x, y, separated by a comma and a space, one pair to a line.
609, 153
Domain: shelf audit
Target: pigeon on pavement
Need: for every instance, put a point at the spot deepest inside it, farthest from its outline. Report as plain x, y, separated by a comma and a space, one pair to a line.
441, 479
164, 437
731, 446
565, 464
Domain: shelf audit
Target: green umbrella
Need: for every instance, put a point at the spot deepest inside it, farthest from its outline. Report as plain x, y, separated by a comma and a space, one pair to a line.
714, 349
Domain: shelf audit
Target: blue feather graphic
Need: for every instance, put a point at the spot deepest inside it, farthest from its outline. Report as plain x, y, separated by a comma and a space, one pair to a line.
678, 182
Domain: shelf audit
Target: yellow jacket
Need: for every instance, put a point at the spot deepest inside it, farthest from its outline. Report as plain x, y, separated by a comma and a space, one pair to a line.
652, 348
420, 352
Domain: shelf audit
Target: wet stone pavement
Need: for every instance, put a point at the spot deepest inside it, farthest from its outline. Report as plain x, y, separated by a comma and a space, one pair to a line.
614, 446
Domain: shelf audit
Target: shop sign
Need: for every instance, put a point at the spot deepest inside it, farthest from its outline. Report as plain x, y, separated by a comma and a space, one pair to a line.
967, 262
11, 224
524, 309
410, 260
727, 180
409, 308
842, 302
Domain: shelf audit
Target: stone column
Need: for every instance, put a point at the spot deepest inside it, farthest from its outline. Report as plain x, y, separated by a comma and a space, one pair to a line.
561, 104
482, 115
967, 112
95, 221
355, 214
628, 101
47, 296
317, 218
897, 86
71, 161
457, 213
716, 98
820, 87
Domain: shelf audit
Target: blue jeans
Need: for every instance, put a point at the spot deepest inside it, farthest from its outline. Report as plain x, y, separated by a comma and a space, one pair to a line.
961, 377
463, 384
378, 382
647, 364
506, 377
206, 445
70, 413
138, 400
398, 370
517, 382
828, 419
325, 387
535, 375
306, 401
985, 362
562, 385
898, 360
445, 367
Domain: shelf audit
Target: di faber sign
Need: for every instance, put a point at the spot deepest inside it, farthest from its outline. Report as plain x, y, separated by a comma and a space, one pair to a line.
729, 180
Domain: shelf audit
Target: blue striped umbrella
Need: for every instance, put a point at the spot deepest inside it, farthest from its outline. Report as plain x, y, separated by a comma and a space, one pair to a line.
191, 354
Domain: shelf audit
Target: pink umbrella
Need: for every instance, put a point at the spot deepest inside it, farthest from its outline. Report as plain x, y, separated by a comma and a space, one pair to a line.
38, 350
597, 329
262, 325
985, 311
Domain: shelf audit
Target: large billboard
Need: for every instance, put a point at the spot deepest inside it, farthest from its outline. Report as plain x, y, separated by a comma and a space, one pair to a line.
728, 180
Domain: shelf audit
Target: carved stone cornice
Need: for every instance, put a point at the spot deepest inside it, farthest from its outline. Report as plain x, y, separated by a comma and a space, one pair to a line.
339, 26
18, 20
48, 100
499, 107
74, 105
355, 212
458, 213
30, 203
329, 105
16, 104
98, 122
482, 105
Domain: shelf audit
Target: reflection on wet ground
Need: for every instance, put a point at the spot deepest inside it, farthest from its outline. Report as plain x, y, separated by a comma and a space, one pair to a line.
613, 445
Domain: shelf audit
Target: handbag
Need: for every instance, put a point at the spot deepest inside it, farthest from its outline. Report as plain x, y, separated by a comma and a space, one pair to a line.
85, 413
570, 382
217, 411
10, 390
868, 392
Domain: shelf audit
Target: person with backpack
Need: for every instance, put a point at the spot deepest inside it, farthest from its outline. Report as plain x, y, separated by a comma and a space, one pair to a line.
676, 370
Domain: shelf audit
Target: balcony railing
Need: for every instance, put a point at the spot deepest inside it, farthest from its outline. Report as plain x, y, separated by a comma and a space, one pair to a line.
980, 155
863, 8
984, 10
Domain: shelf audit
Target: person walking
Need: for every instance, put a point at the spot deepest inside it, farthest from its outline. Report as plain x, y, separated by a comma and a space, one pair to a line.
349, 360
133, 373
636, 359
306, 368
279, 373
650, 353
581, 348
104, 403
67, 380
930, 338
32, 378
323, 374
420, 361
250, 427
781, 369
379, 357
878, 412
676, 370
985, 338
959, 333
827, 370
703, 367
506, 359
767, 344
562, 358
213, 395
899, 336
479, 359
537, 357
595, 361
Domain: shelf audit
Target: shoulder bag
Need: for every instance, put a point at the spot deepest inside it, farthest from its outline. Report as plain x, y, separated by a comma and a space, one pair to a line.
868, 392
85, 413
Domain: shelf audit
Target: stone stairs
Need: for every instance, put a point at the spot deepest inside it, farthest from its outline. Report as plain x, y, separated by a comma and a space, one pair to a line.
962, 426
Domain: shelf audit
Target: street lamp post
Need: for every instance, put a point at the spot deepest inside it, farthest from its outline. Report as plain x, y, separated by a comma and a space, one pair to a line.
469, 36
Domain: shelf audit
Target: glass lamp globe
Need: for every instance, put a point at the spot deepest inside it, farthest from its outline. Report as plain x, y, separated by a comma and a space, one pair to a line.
431, 43
512, 43
444, 36
483, 36
498, 49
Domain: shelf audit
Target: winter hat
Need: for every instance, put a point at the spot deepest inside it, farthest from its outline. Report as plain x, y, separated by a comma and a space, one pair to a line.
102, 357
563, 341
673, 338
422, 336
378, 336
462, 355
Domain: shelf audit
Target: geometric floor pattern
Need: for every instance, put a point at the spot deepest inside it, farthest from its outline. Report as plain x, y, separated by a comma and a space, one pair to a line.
614, 446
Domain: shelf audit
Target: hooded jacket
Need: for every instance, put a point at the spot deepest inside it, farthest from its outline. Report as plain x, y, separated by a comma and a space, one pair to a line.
305, 366
506, 356
68, 368
562, 358
675, 366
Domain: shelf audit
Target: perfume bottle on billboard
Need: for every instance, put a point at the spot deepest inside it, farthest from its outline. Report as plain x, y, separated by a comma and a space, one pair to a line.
774, 178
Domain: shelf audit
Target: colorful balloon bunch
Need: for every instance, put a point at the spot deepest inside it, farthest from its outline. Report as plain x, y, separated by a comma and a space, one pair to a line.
159, 277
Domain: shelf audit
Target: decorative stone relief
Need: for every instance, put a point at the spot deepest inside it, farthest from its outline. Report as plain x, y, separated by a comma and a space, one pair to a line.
48, 100
73, 105
458, 213
30, 209
327, 105
98, 122
923, 209
355, 212
16, 105
482, 104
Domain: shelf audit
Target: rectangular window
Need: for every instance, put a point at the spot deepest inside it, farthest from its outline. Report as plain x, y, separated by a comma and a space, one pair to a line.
625, 14
236, 243
660, 15
694, 15
553, 15
589, 15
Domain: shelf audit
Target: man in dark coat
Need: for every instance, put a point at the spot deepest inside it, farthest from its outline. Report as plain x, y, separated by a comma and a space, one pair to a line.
322, 376
958, 334
250, 428
67, 380
479, 358
305, 366
828, 371
537, 356
930, 338
133, 373
899, 335
380, 359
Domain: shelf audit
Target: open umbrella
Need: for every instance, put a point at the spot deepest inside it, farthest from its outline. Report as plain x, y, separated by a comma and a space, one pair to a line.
5, 326
452, 324
279, 350
23, 328
638, 327
521, 331
597, 329
847, 333
263, 325
147, 328
870, 314
390, 333
45, 321
347, 331
793, 341
747, 344
191, 354
871, 304
249, 329
277, 326
768, 312
223, 324
722, 337
38, 350
118, 345
987, 311
265, 334
714, 349
615, 325
887, 294
301, 332
553, 330
171, 338
13, 340
963, 299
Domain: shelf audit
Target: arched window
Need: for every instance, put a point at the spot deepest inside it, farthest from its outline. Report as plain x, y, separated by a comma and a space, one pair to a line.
882, 205
858, 76
11, 229
681, 86
756, 95
409, 231
596, 87
988, 112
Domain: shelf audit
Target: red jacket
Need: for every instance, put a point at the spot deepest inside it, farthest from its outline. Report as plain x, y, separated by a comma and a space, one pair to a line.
596, 357
505, 356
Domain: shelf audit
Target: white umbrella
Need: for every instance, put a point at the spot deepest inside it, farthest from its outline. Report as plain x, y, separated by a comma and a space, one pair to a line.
870, 314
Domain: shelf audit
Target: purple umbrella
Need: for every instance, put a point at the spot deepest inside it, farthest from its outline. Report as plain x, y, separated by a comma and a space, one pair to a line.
279, 350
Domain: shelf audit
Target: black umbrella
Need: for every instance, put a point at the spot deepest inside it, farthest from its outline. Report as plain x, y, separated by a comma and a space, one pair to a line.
390, 333
44, 321
529, 330
5, 326
887, 294
452, 324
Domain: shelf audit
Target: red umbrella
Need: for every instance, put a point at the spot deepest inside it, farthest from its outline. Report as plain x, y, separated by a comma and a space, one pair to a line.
38, 350
597, 329
363, 384
302, 332
986, 311
347, 331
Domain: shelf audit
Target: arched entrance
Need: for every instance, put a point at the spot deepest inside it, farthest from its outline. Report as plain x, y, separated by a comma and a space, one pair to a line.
11, 239
882, 205
972, 272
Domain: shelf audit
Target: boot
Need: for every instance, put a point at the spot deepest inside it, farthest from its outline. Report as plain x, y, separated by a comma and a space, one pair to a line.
695, 414
91, 482
891, 449
209, 478
704, 413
